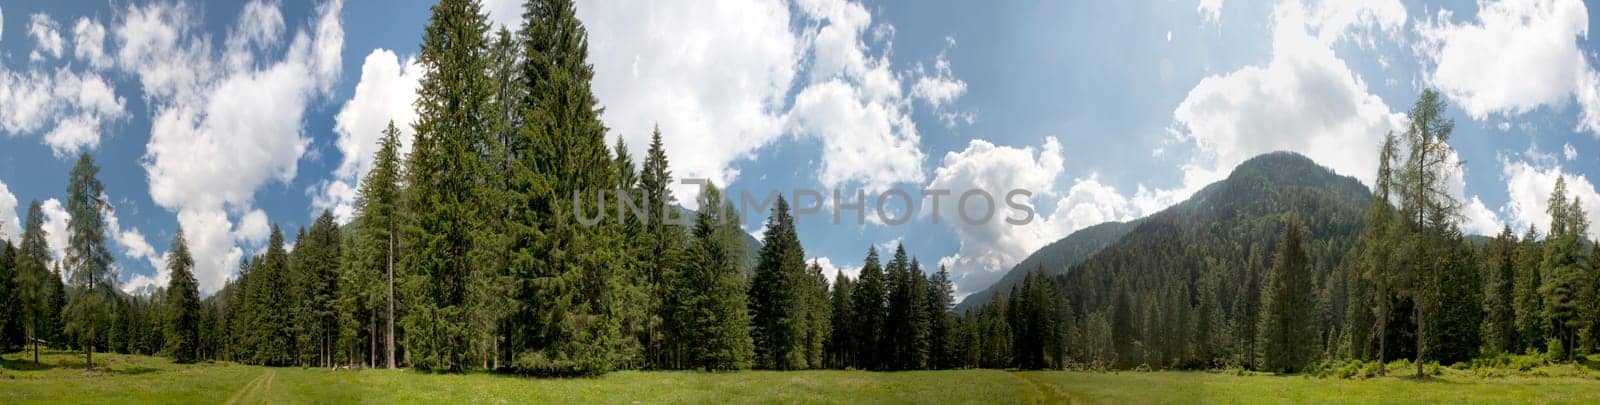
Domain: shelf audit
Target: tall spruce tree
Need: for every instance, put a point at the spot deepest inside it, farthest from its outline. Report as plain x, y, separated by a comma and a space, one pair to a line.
777, 295
867, 306
841, 340
1499, 275
716, 333
1288, 339
664, 245
183, 303
568, 272
88, 258
447, 167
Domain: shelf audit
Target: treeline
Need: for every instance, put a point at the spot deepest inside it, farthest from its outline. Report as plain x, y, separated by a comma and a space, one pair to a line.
1240, 281
469, 252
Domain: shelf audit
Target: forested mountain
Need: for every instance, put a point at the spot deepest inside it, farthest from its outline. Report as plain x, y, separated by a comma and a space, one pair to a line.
1055, 258
1183, 286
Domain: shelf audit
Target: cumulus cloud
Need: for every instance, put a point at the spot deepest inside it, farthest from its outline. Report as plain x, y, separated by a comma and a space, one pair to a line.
46, 34
135, 246
89, 43
717, 76
831, 271
1304, 99
989, 248
241, 107
1569, 152
387, 89
1528, 186
1516, 56
74, 106
55, 227
10, 227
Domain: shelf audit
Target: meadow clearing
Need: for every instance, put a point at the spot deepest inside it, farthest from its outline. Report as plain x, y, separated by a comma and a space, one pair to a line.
144, 379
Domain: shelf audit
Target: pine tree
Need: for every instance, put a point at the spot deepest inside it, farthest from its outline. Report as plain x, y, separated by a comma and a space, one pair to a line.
777, 295
12, 335
446, 170
1566, 285
37, 285
940, 298
1499, 322
818, 317
841, 339
868, 308
664, 241
1527, 304
183, 301
1287, 340
568, 273
88, 257
711, 288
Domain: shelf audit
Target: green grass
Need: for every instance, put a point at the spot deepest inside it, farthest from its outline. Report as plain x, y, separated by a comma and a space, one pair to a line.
143, 379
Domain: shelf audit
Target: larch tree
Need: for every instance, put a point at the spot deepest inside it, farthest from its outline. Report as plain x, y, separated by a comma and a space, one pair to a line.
87, 257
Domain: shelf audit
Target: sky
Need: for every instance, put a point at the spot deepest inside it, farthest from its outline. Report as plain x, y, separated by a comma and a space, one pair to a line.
224, 118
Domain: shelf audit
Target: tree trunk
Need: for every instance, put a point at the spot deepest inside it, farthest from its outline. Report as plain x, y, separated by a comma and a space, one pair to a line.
389, 335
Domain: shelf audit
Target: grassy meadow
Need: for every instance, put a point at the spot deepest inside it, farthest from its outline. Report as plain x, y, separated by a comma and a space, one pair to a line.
143, 379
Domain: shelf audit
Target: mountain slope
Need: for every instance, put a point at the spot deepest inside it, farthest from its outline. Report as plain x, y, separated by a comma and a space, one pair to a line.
1055, 258
1180, 289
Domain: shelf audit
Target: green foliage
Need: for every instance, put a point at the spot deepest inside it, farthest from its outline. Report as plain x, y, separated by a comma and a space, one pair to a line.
779, 295
711, 291
1288, 339
93, 289
183, 304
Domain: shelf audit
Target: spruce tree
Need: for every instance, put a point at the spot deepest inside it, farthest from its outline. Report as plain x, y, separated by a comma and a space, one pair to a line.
1288, 339
940, 298
568, 273
867, 306
664, 245
777, 295
841, 339
446, 169
183, 303
1499, 321
716, 335
88, 258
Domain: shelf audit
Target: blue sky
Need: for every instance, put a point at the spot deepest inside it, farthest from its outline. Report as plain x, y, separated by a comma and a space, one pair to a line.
223, 117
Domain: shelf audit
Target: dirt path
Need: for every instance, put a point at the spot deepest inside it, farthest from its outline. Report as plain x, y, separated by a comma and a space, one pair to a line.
1048, 393
251, 393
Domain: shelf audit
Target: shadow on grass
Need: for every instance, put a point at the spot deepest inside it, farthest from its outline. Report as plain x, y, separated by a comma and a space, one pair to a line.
25, 365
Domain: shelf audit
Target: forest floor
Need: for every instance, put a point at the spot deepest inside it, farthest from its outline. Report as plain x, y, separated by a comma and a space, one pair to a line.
145, 379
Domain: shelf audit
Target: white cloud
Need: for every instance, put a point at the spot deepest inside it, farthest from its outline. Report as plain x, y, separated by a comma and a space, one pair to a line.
55, 227
712, 74
10, 226
716, 76
135, 246
505, 13
253, 228
990, 248
1305, 99
1569, 152
73, 106
1529, 184
1517, 56
89, 42
386, 92
239, 108
46, 34
1210, 11
831, 270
